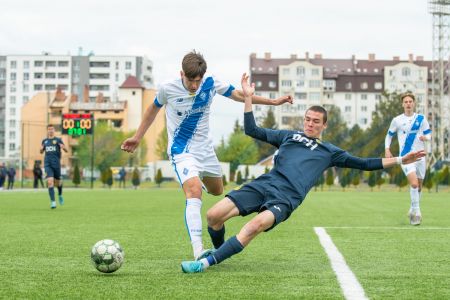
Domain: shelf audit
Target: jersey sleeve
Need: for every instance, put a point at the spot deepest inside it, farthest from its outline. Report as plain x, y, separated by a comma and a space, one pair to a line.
426, 127
391, 132
60, 141
224, 89
273, 137
160, 98
343, 159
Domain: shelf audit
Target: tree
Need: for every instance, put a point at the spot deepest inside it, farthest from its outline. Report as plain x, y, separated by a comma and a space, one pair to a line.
135, 178
109, 177
239, 179
336, 131
428, 180
372, 180
344, 179
380, 179
241, 149
266, 149
237, 127
246, 173
400, 180
76, 175
329, 178
159, 177
224, 180
445, 176
161, 145
266, 170
355, 178
107, 151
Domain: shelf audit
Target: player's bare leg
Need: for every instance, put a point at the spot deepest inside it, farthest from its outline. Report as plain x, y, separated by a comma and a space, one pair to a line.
216, 217
214, 185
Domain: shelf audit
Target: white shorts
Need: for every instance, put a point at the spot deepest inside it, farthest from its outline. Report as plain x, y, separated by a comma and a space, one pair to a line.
419, 167
189, 165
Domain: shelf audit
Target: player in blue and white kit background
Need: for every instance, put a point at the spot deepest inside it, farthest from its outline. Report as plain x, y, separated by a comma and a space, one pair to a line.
413, 131
190, 147
52, 164
302, 158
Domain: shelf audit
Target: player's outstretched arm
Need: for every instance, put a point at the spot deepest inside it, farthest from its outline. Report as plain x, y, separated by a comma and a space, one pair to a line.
238, 95
407, 159
130, 144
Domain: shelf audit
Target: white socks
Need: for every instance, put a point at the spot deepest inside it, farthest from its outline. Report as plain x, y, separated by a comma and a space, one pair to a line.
193, 219
415, 198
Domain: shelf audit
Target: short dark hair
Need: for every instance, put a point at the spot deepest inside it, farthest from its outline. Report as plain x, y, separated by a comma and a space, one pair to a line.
193, 65
50, 125
407, 94
319, 109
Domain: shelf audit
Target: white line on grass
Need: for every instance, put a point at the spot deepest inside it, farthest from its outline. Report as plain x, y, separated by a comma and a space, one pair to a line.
350, 285
387, 228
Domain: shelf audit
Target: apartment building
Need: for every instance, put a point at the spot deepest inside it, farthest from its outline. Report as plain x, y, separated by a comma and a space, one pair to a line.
23, 76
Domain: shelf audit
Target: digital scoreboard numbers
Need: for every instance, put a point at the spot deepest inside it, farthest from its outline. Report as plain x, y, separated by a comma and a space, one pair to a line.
77, 124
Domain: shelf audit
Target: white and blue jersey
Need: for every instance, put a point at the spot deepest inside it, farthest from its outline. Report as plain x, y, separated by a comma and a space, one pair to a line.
408, 130
187, 114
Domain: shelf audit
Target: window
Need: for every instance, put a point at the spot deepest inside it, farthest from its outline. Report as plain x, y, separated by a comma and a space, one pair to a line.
12, 76
272, 95
13, 64
117, 65
364, 85
272, 84
26, 87
258, 84
300, 83
286, 83
38, 87
392, 73
286, 71
12, 99
12, 135
300, 96
363, 96
50, 87
38, 63
12, 147
364, 108
128, 65
348, 86
378, 97
38, 75
348, 96
378, 85
348, 109
12, 111
26, 64
420, 84
26, 76
314, 83
375, 70
50, 63
99, 64
301, 71
63, 87
406, 71
12, 88
117, 77
315, 72
50, 75
25, 99
363, 121
63, 63
314, 96
63, 75
12, 123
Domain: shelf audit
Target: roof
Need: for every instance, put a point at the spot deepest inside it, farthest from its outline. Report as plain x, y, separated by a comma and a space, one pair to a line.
131, 83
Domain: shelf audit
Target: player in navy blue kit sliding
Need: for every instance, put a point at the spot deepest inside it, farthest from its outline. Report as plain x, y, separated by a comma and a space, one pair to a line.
302, 158
52, 147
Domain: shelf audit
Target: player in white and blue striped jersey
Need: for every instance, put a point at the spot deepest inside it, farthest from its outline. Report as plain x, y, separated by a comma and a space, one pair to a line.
412, 131
187, 101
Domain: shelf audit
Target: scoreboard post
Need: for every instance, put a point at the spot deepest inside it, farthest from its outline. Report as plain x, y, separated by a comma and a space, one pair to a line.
76, 125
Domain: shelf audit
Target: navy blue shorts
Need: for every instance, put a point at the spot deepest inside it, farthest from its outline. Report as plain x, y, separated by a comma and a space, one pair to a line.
52, 171
249, 200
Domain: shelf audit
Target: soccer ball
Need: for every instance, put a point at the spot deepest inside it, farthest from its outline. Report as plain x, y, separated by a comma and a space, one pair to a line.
107, 256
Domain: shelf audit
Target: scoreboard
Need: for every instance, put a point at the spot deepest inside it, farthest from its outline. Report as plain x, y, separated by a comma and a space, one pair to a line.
77, 124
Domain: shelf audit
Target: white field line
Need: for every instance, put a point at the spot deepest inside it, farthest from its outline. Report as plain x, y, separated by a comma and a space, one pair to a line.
387, 228
350, 285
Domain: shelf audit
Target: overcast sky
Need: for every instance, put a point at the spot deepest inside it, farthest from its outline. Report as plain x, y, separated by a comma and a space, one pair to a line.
226, 32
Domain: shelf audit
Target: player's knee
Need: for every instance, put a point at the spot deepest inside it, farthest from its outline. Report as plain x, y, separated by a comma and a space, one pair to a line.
213, 217
414, 185
193, 191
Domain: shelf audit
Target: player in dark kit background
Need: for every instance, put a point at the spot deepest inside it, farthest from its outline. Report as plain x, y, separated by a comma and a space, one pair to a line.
302, 157
52, 146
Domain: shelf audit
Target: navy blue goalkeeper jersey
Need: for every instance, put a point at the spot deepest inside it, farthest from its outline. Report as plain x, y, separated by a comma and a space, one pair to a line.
52, 150
301, 160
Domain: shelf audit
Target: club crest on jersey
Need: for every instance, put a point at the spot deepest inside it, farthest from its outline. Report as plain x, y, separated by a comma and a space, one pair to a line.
54, 142
310, 143
202, 95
